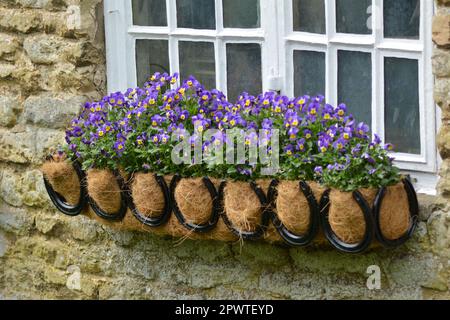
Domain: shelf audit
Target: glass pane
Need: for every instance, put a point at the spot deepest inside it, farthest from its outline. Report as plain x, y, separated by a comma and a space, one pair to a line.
355, 83
309, 73
244, 69
241, 14
309, 15
198, 14
151, 56
401, 18
352, 16
149, 13
198, 59
401, 98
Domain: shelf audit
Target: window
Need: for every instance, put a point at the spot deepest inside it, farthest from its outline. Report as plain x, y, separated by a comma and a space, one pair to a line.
374, 55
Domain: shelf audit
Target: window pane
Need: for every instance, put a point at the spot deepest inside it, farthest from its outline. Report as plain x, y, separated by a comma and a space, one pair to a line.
352, 16
241, 14
355, 83
151, 56
309, 15
401, 98
198, 59
149, 13
244, 69
309, 73
198, 14
401, 18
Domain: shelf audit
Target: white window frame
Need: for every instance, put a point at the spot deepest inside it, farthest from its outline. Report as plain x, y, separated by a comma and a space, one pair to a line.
121, 36
278, 42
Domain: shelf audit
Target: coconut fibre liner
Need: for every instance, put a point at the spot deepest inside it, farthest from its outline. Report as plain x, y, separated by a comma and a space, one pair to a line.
241, 205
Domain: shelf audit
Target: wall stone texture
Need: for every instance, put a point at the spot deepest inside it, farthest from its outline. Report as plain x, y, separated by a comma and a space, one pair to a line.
51, 62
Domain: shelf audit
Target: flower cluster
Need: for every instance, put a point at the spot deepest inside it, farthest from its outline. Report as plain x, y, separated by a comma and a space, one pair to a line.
138, 130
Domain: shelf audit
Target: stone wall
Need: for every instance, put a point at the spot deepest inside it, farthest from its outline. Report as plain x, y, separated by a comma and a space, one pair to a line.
50, 62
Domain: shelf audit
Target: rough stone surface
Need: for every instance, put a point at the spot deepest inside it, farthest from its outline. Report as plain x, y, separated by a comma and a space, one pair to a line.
441, 30
9, 109
52, 60
28, 144
52, 111
441, 65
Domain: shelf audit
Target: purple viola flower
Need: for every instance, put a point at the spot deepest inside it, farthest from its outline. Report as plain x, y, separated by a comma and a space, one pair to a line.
157, 120
119, 146
313, 109
341, 110
301, 145
289, 150
323, 144
347, 133
292, 133
362, 129
251, 138
267, 124
388, 147
244, 171
339, 144
356, 150
318, 170
377, 139
327, 112
307, 133
368, 158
